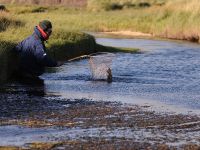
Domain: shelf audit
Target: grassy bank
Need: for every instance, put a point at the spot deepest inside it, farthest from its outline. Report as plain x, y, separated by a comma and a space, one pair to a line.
18, 23
62, 46
175, 19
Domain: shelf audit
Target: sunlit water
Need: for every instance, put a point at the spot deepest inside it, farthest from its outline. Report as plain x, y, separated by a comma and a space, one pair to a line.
166, 74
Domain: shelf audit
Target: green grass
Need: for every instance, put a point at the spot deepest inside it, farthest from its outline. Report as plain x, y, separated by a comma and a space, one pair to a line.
65, 43
101, 48
172, 19
176, 19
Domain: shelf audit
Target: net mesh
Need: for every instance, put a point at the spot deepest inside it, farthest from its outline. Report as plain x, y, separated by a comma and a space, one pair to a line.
100, 64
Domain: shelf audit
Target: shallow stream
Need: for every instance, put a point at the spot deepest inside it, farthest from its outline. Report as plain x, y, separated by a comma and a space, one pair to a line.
166, 73
165, 76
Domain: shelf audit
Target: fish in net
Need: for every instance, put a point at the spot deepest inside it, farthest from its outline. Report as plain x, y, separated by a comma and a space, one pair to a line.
100, 66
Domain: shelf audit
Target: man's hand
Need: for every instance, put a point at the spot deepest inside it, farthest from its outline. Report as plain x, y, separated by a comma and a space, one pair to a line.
60, 63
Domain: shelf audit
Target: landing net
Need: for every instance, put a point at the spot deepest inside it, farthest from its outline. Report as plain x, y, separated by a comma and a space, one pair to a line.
100, 63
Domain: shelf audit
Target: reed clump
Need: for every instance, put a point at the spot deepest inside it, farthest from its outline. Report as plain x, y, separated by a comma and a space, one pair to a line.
7, 21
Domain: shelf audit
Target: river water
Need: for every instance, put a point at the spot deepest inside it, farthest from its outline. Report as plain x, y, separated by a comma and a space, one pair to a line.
165, 76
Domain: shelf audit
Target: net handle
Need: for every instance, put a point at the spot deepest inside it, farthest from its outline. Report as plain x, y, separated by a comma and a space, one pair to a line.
99, 53
88, 56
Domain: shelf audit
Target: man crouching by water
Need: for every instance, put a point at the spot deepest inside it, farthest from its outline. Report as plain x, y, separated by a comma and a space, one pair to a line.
32, 52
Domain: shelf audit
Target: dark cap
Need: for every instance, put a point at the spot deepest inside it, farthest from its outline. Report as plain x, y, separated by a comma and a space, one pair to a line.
45, 25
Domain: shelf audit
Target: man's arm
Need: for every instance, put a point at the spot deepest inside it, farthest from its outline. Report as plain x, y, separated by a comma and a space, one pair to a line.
43, 58
18, 48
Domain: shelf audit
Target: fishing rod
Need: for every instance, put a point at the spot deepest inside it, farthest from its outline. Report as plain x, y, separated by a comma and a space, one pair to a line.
79, 57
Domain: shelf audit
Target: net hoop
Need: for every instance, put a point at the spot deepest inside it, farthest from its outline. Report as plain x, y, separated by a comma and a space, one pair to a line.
100, 63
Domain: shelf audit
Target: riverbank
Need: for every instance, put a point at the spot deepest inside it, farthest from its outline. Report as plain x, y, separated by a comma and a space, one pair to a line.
100, 125
46, 121
62, 48
169, 19
63, 44
177, 20
69, 110
65, 123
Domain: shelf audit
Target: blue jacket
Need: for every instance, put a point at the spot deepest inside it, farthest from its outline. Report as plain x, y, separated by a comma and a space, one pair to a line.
33, 58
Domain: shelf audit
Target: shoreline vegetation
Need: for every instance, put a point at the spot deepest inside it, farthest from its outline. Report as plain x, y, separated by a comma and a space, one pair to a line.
171, 19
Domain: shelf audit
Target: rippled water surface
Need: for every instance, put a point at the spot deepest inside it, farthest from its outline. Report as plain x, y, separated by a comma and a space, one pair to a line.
166, 73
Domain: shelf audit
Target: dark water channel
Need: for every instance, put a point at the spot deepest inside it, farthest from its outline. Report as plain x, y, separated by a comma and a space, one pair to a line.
165, 76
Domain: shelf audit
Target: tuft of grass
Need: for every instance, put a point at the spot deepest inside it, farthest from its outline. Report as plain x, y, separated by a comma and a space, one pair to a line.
113, 6
144, 4
39, 10
7, 21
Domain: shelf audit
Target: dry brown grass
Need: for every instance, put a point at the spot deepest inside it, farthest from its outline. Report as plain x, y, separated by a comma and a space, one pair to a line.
70, 3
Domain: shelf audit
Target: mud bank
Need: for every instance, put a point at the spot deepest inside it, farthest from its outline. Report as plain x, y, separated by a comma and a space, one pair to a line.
87, 124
